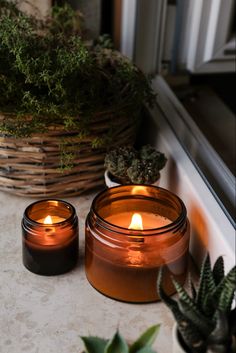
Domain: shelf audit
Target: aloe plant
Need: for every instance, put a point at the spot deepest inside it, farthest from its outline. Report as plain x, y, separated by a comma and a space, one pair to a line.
205, 319
117, 344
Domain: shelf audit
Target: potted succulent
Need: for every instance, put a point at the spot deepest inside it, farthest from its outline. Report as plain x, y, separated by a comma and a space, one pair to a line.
63, 101
117, 343
126, 165
205, 320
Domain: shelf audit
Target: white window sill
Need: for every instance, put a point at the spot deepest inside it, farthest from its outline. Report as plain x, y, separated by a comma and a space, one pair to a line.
210, 227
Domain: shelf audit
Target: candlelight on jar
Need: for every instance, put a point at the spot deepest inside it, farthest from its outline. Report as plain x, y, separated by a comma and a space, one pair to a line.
131, 232
50, 237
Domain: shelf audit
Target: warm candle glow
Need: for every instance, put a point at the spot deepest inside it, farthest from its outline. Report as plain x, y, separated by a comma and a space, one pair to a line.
136, 222
50, 237
48, 220
132, 231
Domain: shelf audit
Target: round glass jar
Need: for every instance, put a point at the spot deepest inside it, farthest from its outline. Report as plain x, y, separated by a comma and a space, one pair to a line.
123, 263
50, 237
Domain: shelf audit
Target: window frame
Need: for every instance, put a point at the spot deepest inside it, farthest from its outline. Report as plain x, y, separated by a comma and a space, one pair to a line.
146, 48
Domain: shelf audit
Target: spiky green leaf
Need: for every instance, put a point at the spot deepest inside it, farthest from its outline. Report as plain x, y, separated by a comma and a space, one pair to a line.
116, 345
206, 283
218, 270
203, 324
146, 339
171, 303
228, 291
208, 305
191, 311
94, 344
224, 292
193, 289
183, 295
189, 332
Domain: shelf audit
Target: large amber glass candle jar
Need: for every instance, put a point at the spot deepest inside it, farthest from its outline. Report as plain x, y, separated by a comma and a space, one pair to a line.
50, 237
131, 232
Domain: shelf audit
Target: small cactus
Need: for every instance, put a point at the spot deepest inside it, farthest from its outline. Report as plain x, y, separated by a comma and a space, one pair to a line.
205, 319
118, 160
150, 154
136, 167
143, 171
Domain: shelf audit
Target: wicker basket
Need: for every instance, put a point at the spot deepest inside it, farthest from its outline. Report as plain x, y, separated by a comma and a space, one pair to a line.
31, 166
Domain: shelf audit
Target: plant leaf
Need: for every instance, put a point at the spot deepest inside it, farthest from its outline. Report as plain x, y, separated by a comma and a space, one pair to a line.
203, 324
171, 303
191, 311
146, 339
220, 334
116, 345
193, 290
208, 305
94, 344
218, 270
224, 292
228, 291
206, 283
189, 332
146, 350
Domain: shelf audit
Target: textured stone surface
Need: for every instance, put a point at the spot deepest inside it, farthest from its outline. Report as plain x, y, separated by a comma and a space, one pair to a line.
48, 314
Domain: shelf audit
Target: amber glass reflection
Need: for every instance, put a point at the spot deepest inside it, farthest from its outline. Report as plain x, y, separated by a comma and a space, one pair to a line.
50, 237
124, 263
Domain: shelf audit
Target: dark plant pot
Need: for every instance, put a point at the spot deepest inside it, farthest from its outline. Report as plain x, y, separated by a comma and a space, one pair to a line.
177, 346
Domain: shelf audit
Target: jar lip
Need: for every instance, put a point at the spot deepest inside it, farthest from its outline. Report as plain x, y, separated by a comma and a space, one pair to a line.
150, 231
65, 203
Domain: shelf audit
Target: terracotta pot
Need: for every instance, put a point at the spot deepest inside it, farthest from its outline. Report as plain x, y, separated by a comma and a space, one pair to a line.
110, 183
177, 346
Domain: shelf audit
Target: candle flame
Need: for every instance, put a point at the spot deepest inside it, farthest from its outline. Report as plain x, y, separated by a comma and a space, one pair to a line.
48, 220
136, 222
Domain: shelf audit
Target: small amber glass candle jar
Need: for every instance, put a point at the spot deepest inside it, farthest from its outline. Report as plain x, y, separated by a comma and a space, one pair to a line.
50, 237
131, 232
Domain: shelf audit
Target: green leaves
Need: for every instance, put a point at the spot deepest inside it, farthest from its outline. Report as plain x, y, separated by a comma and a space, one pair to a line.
146, 350
146, 340
48, 69
191, 311
205, 319
224, 292
218, 270
117, 344
207, 283
94, 344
